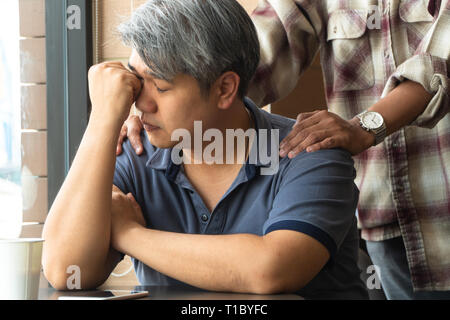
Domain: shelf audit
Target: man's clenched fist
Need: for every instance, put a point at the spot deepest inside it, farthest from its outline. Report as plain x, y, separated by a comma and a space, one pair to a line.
113, 89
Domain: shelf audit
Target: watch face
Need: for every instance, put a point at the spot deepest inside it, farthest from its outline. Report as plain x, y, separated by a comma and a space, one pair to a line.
372, 120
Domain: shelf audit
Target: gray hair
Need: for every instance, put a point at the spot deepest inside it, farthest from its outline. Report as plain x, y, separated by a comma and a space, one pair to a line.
201, 38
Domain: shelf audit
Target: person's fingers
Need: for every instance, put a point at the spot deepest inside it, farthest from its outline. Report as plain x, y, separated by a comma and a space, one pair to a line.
314, 137
119, 146
304, 120
133, 202
134, 121
122, 136
135, 205
135, 140
300, 118
328, 143
301, 133
136, 85
305, 115
119, 150
300, 137
116, 189
135, 127
110, 63
116, 64
133, 79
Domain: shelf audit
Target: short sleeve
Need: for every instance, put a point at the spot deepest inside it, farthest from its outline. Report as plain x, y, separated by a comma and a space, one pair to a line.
123, 172
318, 197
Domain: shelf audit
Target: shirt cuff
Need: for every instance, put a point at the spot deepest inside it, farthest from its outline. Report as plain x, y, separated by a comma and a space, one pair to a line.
308, 229
431, 72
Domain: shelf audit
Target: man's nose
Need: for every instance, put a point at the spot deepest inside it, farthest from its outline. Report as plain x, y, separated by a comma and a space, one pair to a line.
145, 102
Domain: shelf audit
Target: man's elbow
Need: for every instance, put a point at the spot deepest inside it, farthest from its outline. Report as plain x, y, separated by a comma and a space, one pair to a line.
56, 276
62, 277
270, 281
265, 287
274, 286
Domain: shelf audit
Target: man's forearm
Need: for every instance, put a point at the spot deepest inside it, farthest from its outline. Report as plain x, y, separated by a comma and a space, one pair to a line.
233, 263
402, 105
77, 230
399, 109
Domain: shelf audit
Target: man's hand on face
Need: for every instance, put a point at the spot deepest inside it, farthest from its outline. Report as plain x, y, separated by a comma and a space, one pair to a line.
113, 89
126, 215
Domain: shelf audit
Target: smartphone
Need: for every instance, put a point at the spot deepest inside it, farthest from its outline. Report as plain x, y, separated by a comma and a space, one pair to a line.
107, 295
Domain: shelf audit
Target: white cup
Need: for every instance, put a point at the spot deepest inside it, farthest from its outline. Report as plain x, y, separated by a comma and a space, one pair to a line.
20, 268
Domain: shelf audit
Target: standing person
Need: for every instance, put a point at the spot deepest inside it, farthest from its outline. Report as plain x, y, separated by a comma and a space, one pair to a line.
400, 71
386, 71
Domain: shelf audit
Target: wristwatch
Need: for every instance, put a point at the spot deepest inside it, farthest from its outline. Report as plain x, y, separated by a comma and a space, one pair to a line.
373, 122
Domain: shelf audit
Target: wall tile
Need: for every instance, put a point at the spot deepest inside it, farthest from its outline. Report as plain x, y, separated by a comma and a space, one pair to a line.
32, 61
32, 18
34, 199
34, 107
34, 154
111, 13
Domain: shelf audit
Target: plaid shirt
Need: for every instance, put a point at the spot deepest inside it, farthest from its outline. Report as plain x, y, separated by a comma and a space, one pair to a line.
404, 181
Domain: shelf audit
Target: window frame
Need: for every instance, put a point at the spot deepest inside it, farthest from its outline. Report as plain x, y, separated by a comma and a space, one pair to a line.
69, 55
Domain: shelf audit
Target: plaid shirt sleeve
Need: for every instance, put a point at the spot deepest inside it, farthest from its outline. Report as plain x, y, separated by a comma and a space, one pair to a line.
289, 42
429, 65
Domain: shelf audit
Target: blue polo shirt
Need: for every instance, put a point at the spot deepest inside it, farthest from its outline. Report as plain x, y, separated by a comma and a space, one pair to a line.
313, 193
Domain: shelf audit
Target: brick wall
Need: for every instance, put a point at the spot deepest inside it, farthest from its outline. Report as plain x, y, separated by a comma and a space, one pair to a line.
33, 116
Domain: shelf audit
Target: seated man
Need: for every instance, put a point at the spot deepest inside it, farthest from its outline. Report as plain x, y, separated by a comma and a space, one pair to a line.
245, 225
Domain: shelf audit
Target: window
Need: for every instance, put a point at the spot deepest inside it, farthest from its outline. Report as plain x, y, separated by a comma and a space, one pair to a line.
10, 146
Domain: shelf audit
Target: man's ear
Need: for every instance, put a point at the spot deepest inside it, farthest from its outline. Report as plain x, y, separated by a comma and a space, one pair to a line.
227, 87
